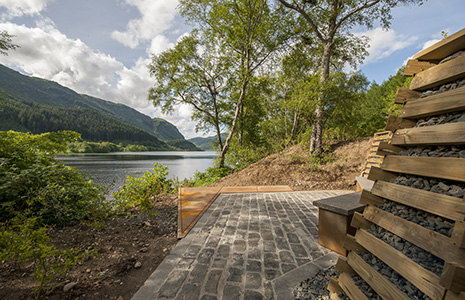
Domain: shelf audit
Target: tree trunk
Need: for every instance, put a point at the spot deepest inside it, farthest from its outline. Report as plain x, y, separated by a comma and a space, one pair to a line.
319, 114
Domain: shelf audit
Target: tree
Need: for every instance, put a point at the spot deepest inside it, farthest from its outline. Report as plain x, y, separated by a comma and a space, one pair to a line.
6, 42
247, 33
330, 22
193, 73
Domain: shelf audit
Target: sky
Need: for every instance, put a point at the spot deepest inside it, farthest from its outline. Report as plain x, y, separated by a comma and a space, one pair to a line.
102, 47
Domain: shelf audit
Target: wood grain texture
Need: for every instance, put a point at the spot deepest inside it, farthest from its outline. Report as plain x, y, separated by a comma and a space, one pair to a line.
350, 289
443, 48
444, 134
394, 123
404, 95
439, 167
423, 279
453, 278
442, 205
440, 74
378, 282
446, 102
415, 66
431, 241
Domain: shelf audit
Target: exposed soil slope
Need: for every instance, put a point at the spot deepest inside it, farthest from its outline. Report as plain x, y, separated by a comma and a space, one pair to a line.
292, 167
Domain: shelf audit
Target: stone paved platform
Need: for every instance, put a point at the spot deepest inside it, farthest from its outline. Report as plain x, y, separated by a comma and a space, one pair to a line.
245, 246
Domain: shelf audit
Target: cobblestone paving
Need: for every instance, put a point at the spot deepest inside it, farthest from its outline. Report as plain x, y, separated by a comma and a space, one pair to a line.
246, 246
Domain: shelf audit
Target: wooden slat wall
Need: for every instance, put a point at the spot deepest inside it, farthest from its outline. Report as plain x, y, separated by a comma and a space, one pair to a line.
450, 285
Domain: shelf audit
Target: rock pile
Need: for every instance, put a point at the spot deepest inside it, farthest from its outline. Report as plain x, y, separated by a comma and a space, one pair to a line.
435, 151
417, 254
432, 222
445, 187
400, 282
316, 288
365, 287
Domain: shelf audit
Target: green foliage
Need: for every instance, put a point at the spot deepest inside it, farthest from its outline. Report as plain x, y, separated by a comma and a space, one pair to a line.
137, 192
135, 148
210, 175
34, 184
6, 42
22, 241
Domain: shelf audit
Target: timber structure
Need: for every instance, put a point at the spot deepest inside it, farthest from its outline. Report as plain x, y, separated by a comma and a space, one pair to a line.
436, 93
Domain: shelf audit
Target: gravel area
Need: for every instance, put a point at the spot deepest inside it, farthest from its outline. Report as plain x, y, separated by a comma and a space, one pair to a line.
441, 186
365, 287
400, 282
316, 288
423, 258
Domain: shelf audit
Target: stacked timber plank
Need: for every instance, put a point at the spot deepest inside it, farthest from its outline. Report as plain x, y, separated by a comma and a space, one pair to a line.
410, 238
374, 157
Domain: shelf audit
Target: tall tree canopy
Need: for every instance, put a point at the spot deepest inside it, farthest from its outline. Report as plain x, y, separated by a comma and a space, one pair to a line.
239, 37
330, 22
6, 42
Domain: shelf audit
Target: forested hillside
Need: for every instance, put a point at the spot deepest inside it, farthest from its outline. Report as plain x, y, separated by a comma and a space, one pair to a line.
37, 105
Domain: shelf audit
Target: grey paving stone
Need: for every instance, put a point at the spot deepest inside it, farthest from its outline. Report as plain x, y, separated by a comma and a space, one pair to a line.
238, 260
189, 292
209, 297
198, 274
269, 246
271, 274
299, 250
271, 261
219, 263
240, 245
185, 263
254, 265
172, 284
287, 268
253, 280
212, 282
231, 292
213, 241
205, 256
235, 275
253, 236
286, 257
282, 244
292, 238
254, 253
193, 250
253, 295
223, 250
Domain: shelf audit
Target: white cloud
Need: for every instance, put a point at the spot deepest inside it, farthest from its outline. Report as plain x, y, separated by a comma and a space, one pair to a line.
156, 17
430, 43
159, 44
47, 53
384, 43
17, 8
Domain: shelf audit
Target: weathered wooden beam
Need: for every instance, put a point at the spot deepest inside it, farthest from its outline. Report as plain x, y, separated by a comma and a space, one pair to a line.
443, 48
444, 134
404, 95
440, 167
385, 148
351, 245
423, 279
379, 174
394, 123
440, 74
450, 295
369, 198
358, 221
453, 278
342, 265
458, 234
350, 289
431, 241
446, 102
442, 205
415, 66
378, 282
333, 286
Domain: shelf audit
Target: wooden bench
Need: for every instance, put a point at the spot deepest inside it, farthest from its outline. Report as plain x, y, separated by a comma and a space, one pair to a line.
334, 218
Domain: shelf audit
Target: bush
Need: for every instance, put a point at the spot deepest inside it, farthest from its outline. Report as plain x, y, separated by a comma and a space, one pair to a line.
138, 191
34, 184
22, 241
210, 175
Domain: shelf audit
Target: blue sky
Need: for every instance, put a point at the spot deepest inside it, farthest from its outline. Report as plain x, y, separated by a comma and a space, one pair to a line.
102, 47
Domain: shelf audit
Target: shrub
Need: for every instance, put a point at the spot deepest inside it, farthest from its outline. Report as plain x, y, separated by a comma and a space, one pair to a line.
210, 175
139, 191
34, 184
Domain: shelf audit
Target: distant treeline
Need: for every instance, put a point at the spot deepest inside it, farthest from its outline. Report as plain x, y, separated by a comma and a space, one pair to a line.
93, 126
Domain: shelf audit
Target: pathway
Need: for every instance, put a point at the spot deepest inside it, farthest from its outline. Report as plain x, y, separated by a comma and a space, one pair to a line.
245, 246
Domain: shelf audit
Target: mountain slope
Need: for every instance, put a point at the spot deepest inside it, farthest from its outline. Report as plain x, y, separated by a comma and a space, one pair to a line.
207, 143
27, 90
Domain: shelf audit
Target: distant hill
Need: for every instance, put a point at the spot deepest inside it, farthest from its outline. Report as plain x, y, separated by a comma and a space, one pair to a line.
39, 105
207, 143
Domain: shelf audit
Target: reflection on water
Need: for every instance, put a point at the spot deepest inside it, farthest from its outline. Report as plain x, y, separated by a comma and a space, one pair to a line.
111, 169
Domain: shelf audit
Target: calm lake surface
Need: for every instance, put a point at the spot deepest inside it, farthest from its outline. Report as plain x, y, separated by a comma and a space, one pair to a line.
111, 169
